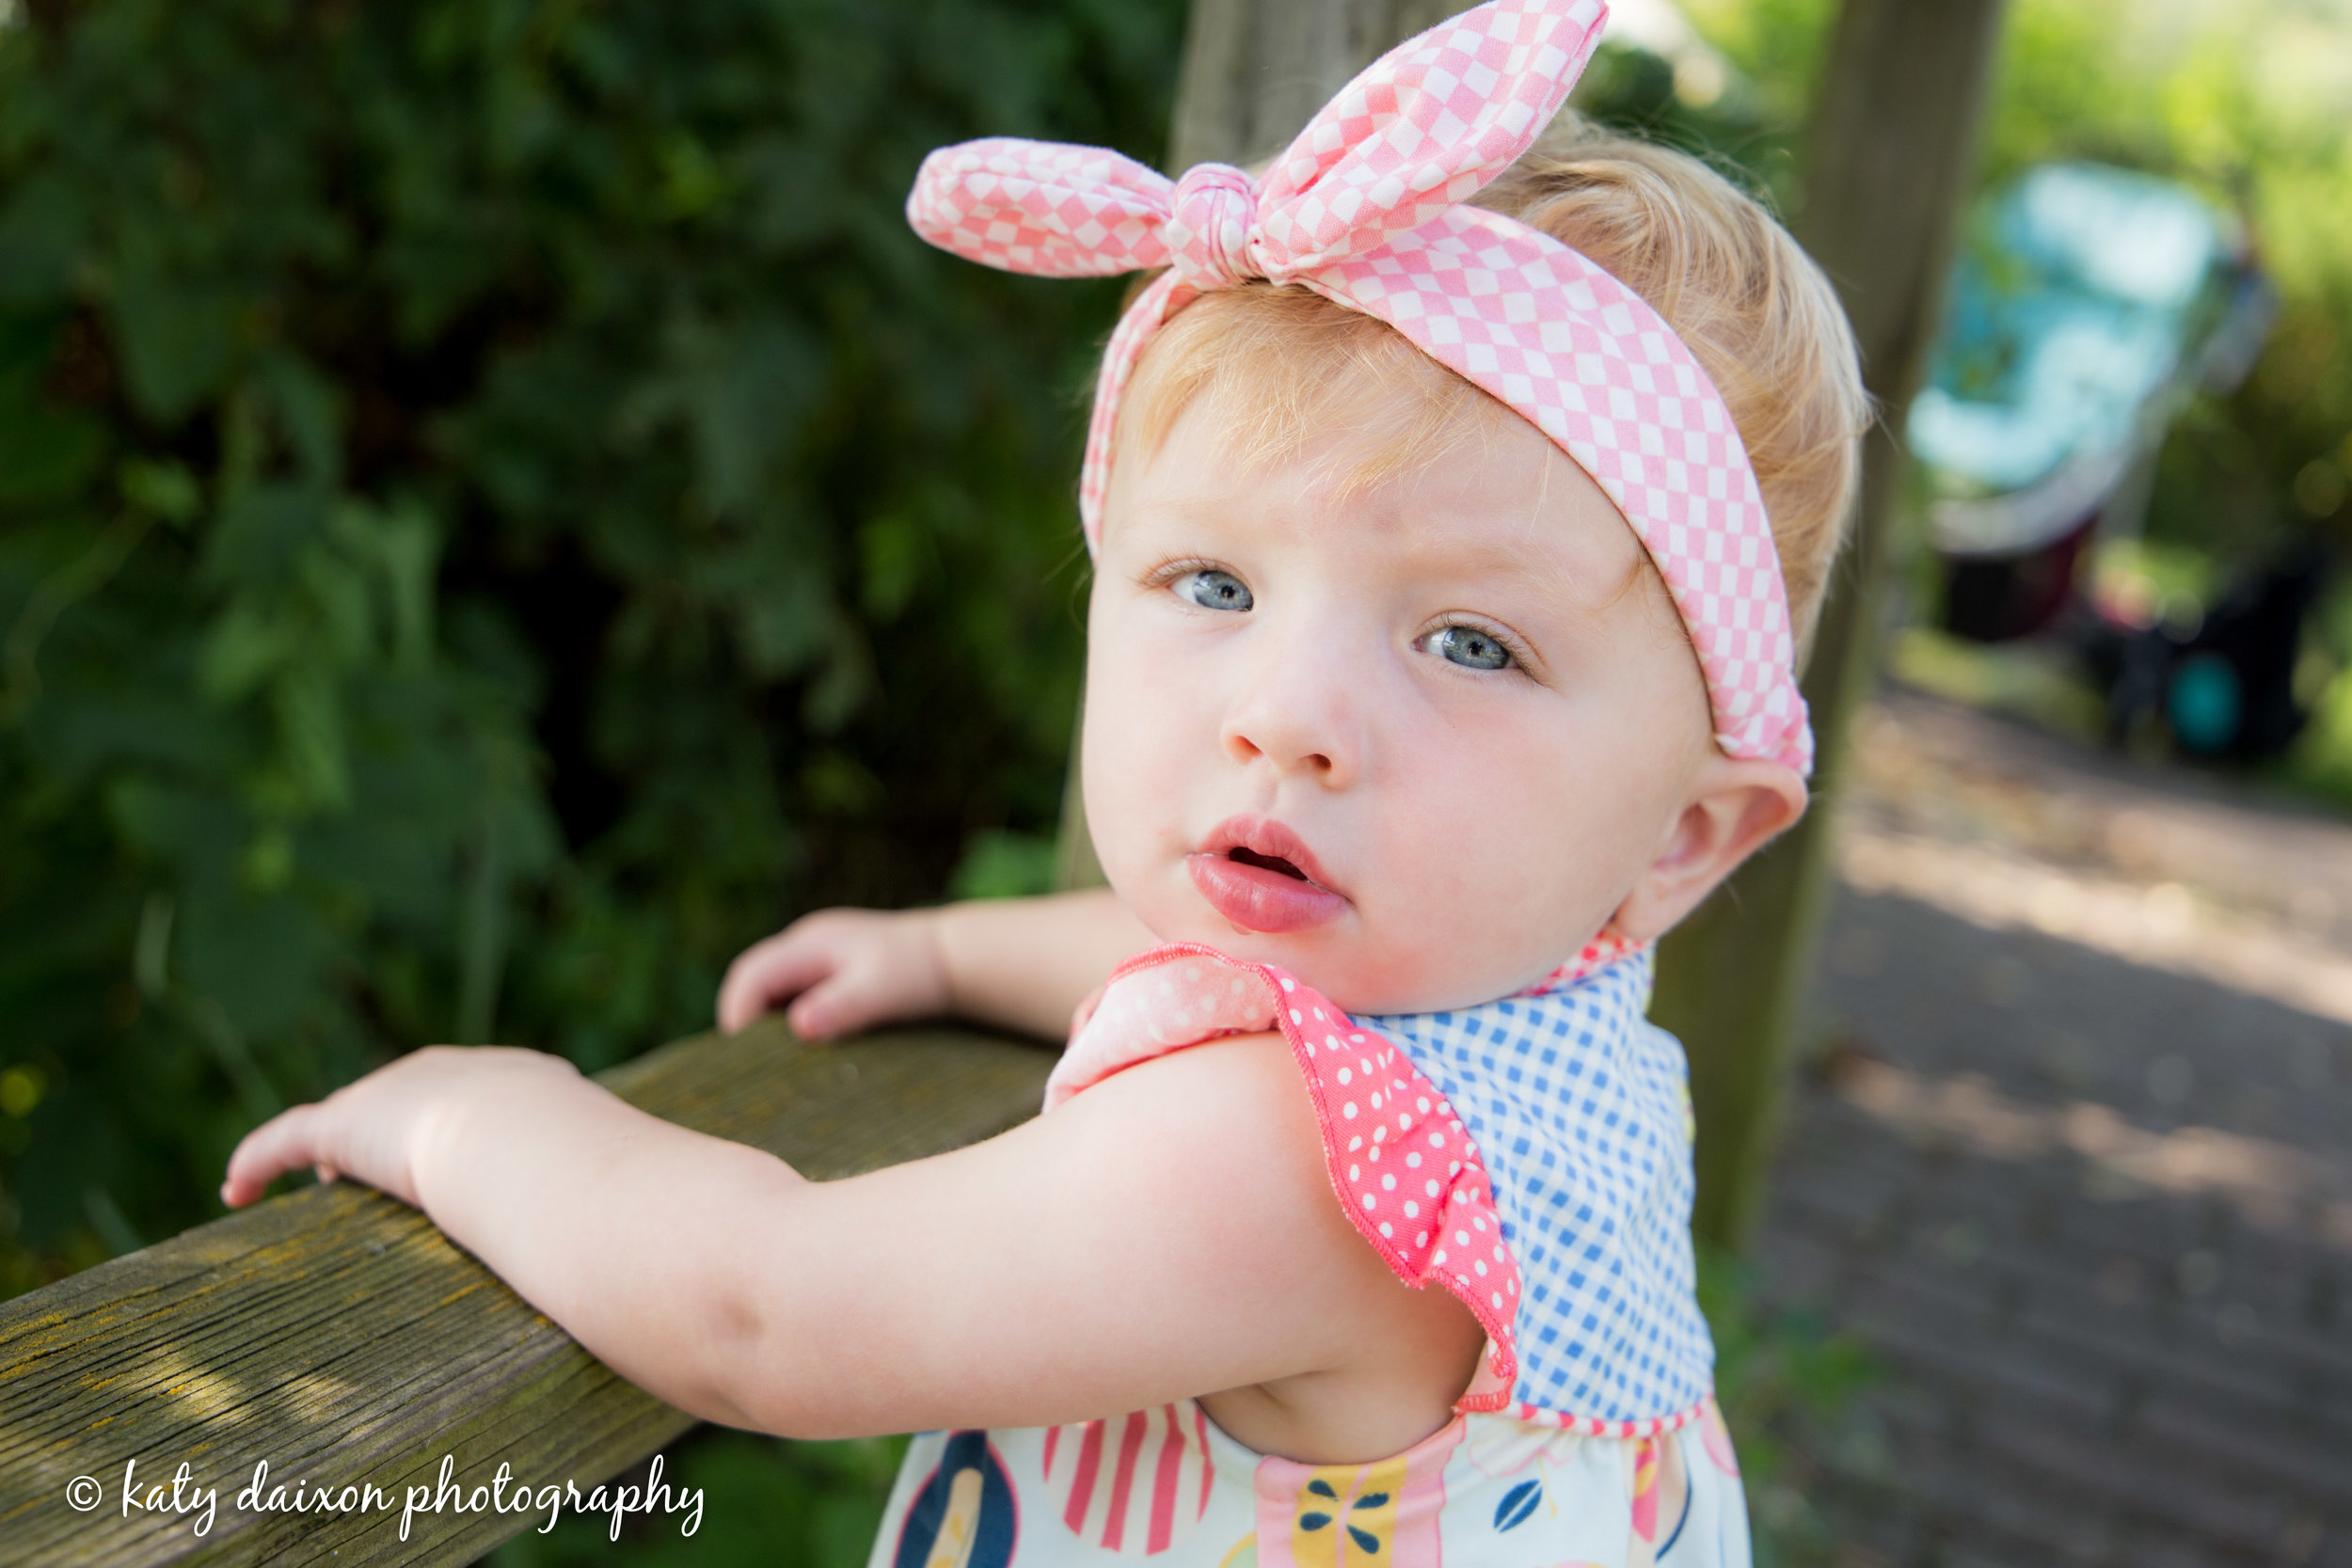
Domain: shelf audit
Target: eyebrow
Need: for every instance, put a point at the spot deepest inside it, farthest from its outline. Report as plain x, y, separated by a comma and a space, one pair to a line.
1471, 552
1553, 577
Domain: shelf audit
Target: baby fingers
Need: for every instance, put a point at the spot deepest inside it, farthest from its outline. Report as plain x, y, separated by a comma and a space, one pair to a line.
770, 972
287, 1141
372, 1130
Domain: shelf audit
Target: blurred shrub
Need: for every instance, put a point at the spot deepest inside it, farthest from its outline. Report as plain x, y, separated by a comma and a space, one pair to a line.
998, 864
497, 511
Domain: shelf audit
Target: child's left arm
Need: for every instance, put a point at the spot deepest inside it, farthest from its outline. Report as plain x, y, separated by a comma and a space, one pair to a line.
1169, 1232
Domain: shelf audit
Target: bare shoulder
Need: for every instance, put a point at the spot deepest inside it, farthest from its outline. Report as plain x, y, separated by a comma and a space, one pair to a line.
1170, 1232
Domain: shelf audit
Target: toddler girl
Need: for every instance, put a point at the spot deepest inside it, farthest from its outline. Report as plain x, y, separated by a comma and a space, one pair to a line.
1440, 657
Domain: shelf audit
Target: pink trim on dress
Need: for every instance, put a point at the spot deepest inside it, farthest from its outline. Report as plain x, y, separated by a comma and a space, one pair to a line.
1602, 951
1589, 1426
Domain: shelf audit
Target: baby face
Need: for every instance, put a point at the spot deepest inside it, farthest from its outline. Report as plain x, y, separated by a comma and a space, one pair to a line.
1413, 741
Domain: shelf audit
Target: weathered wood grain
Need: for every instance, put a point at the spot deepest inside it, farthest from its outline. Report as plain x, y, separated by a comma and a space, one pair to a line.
338, 1335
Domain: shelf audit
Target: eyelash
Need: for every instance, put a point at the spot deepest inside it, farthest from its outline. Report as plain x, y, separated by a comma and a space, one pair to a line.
1522, 660
1169, 571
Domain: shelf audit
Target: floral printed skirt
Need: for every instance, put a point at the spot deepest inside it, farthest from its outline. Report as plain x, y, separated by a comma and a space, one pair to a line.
1167, 1483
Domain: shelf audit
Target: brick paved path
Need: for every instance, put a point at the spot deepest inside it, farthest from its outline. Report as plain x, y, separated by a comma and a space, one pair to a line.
2077, 1161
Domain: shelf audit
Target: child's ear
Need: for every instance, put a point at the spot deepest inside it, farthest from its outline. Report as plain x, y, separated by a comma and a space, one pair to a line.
1734, 806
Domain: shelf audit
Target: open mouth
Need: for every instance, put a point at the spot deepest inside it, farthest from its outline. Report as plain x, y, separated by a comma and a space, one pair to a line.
1265, 863
1261, 877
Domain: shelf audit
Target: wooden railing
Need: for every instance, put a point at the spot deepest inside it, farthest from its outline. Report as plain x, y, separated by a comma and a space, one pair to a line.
338, 1336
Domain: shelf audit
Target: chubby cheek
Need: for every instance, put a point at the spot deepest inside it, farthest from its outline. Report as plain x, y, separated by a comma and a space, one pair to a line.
1507, 864
1150, 727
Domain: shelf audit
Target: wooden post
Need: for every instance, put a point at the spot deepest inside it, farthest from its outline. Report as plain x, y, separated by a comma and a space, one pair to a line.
1254, 71
1892, 158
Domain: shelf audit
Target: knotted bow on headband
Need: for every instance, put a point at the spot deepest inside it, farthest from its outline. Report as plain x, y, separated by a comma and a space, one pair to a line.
1365, 208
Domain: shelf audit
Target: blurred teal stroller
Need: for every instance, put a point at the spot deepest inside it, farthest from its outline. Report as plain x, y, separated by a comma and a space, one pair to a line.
2089, 304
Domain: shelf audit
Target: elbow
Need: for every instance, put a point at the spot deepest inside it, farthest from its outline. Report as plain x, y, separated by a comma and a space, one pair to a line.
693, 1360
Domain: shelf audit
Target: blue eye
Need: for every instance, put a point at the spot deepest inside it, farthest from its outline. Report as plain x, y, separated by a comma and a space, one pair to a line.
1470, 648
1213, 589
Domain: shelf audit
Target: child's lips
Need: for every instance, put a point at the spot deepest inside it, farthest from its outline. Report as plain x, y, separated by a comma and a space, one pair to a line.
1257, 899
1233, 874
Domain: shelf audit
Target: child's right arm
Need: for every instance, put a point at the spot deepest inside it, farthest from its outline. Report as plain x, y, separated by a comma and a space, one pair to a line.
1169, 1232
1020, 963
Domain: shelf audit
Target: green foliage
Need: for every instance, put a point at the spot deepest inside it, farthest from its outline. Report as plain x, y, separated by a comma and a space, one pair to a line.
496, 512
1005, 866
1777, 48
1788, 1388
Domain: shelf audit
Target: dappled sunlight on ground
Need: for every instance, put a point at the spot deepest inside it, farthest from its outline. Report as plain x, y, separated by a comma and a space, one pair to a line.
2074, 1156
2163, 925
2268, 1182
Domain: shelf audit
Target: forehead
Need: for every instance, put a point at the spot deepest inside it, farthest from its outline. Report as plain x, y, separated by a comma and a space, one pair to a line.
1485, 495
1277, 369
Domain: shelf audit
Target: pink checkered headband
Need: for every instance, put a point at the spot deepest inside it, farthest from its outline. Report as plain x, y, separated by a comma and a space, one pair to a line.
1365, 208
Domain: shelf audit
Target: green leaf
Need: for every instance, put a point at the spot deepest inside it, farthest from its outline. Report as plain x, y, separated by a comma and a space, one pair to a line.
251, 641
47, 454
309, 409
309, 712
178, 340
166, 488
262, 532
894, 552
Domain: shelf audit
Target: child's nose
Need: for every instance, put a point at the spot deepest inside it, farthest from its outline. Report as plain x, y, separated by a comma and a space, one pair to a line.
1301, 719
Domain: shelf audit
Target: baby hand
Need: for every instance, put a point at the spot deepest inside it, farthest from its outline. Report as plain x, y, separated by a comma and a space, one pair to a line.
850, 967
375, 1129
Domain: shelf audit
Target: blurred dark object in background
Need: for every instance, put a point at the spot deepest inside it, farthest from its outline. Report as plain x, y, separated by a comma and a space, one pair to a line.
1994, 599
2223, 687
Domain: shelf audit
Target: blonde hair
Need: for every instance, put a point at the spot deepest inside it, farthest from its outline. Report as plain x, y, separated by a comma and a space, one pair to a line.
1281, 365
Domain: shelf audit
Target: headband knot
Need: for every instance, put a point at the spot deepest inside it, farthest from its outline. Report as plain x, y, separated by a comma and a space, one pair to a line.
1207, 230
